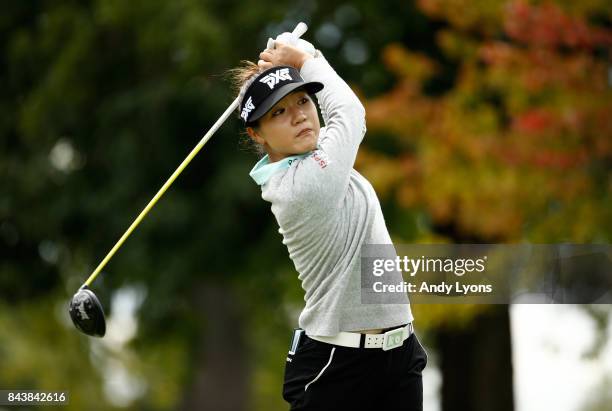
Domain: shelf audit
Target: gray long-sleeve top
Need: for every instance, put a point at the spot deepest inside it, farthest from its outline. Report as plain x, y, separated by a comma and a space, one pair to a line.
326, 211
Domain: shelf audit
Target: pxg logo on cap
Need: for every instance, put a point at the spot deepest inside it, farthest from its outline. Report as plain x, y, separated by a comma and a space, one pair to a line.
271, 80
248, 107
269, 87
274, 78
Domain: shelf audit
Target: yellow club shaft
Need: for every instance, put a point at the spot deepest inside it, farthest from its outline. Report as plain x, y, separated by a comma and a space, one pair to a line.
162, 190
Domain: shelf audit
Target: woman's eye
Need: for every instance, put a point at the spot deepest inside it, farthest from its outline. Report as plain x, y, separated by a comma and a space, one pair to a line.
303, 100
277, 112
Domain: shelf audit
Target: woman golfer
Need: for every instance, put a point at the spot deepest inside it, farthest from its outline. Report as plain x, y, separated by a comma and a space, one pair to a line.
345, 355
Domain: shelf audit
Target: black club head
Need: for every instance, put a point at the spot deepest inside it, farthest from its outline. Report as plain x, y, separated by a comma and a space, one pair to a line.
87, 313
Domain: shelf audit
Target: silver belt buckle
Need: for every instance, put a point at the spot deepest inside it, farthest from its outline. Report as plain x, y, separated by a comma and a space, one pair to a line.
393, 339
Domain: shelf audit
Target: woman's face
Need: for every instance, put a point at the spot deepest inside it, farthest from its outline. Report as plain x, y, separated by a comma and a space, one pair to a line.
290, 127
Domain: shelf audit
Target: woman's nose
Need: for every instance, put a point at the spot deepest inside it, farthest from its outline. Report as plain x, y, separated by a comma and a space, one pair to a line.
298, 116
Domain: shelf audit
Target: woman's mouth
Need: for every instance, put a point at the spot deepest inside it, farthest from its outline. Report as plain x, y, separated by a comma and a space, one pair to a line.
304, 132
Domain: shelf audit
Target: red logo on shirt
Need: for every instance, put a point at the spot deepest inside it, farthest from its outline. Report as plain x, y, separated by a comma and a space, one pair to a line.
321, 158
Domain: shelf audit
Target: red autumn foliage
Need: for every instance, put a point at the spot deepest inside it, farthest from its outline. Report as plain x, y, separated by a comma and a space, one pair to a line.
547, 25
491, 167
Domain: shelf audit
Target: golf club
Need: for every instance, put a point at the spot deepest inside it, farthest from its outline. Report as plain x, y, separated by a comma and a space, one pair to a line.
85, 309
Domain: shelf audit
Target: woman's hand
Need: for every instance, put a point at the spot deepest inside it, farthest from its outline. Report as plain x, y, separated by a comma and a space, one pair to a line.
282, 54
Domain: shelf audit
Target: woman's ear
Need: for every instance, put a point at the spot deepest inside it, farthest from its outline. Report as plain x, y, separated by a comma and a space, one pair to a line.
255, 135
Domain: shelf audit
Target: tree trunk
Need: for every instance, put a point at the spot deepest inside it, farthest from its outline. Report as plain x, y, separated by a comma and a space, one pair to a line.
476, 364
220, 378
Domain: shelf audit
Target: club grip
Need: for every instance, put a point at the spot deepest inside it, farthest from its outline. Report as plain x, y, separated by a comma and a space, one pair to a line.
298, 31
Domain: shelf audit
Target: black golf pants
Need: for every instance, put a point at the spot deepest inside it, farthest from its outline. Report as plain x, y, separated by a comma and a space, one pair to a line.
321, 376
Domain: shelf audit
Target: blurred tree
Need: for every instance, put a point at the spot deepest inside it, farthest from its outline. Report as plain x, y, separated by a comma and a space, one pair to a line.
519, 147
101, 101
515, 147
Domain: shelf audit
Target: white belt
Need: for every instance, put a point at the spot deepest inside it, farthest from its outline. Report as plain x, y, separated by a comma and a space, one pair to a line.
387, 341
